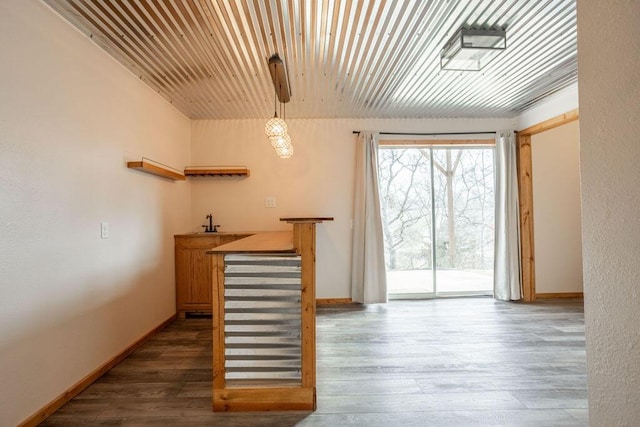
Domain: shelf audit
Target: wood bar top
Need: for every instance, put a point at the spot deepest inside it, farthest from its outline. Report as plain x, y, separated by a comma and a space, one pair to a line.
307, 220
263, 242
217, 233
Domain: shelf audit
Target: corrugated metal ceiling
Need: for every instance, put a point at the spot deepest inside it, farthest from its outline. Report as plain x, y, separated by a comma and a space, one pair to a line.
360, 58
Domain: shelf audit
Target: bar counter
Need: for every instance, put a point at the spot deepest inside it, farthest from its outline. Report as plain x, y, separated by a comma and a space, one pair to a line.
264, 342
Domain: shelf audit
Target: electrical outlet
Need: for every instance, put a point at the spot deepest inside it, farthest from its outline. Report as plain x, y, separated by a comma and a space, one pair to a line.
270, 202
104, 230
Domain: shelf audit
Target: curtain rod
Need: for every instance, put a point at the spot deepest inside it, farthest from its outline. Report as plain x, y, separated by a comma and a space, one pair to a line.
432, 133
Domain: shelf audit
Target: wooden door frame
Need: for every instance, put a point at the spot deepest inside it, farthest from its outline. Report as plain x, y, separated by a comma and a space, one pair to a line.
525, 195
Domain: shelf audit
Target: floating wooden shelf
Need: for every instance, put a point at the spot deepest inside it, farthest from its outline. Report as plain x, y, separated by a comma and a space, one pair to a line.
216, 171
155, 168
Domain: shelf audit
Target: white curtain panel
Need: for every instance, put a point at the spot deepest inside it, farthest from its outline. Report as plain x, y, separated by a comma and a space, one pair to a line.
507, 284
368, 274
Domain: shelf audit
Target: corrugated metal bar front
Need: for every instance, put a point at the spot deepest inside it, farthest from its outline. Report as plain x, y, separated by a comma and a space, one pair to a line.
262, 321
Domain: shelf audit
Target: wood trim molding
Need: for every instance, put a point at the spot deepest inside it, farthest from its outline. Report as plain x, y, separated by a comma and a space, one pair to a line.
331, 301
553, 122
560, 295
78, 387
525, 187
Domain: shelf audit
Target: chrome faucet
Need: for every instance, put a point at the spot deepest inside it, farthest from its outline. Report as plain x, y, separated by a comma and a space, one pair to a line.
211, 228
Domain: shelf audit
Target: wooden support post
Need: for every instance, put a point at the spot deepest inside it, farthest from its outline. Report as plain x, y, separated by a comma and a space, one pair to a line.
525, 184
218, 323
306, 248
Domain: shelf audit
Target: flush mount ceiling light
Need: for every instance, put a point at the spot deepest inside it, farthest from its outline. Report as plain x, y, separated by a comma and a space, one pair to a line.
472, 49
276, 128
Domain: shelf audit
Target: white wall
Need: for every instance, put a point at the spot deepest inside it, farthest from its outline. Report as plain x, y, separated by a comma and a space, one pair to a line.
556, 209
608, 64
316, 181
70, 117
555, 105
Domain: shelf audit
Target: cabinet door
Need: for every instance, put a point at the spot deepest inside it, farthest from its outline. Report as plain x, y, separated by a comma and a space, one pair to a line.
199, 289
193, 277
194, 270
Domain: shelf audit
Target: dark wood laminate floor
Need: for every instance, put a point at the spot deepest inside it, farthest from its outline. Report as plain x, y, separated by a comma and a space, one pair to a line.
448, 362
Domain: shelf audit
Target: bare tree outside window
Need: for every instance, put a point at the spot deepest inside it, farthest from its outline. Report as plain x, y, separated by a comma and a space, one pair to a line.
462, 212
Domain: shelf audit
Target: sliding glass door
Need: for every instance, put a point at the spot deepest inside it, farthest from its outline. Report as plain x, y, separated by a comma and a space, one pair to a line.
438, 219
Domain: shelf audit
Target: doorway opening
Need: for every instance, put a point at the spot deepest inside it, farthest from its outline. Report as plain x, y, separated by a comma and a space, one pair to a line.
438, 219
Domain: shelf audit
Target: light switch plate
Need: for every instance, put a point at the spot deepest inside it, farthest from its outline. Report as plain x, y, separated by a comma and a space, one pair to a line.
270, 202
104, 230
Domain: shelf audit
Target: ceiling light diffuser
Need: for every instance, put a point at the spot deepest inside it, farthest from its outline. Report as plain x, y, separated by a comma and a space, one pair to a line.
472, 49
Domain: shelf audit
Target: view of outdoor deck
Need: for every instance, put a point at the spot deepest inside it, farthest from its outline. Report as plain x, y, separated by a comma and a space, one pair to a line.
403, 282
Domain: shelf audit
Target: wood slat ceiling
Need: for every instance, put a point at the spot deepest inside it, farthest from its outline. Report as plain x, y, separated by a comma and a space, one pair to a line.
359, 59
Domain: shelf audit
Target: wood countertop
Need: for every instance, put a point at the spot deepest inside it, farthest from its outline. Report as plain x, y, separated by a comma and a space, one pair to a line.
305, 220
262, 242
217, 233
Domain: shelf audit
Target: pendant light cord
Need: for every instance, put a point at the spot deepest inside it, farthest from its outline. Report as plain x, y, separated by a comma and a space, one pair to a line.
280, 86
275, 95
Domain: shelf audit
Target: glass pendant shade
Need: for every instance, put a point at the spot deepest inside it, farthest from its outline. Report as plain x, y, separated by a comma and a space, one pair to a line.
280, 141
275, 127
285, 152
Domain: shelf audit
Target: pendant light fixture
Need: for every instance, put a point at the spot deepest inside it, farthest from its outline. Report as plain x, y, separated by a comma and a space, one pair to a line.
276, 128
280, 141
285, 152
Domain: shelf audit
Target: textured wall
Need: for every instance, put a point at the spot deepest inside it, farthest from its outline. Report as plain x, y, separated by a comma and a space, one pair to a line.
556, 209
70, 117
608, 63
317, 180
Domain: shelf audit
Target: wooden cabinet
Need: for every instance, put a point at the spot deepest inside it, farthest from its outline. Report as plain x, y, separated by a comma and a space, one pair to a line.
194, 269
